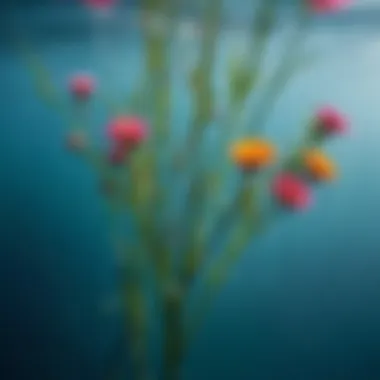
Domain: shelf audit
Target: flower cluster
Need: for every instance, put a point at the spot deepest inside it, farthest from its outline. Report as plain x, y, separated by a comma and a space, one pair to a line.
291, 187
125, 132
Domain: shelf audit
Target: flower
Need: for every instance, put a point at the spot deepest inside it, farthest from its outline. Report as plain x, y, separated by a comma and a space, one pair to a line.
331, 121
326, 6
291, 191
100, 4
251, 154
319, 166
82, 86
128, 131
76, 141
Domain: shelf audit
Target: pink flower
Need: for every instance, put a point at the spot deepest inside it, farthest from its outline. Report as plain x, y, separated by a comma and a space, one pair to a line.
82, 86
291, 191
331, 121
326, 6
100, 4
129, 131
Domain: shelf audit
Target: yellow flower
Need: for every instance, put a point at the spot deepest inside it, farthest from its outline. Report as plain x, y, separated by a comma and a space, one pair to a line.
320, 166
251, 154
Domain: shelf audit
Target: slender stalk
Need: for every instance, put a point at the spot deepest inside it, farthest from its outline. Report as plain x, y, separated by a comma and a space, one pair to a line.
219, 272
216, 278
245, 75
158, 61
42, 78
137, 331
131, 284
242, 82
226, 219
204, 108
282, 74
262, 26
173, 336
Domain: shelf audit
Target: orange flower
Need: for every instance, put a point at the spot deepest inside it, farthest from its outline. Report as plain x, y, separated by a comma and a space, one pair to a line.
251, 154
320, 166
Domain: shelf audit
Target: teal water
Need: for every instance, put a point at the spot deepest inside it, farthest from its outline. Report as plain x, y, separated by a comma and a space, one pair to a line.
304, 301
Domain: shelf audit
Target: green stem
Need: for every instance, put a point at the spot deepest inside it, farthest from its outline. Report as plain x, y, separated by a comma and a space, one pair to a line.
137, 322
243, 209
130, 278
158, 64
204, 108
42, 79
216, 278
173, 337
281, 76
199, 248
262, 26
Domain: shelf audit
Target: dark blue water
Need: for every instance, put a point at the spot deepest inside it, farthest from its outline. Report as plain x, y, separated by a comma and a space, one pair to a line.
304, 301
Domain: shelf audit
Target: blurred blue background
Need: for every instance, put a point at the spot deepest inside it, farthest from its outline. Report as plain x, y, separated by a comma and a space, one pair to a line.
303, 303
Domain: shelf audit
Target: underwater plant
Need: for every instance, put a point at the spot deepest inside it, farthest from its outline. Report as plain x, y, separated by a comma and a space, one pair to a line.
194, 202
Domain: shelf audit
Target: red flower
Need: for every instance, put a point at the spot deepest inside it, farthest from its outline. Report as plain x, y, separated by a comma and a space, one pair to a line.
291, 191
325, 6
127, 131
331, 121
82, 86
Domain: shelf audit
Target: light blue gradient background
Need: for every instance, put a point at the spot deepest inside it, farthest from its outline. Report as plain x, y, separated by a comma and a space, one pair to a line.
303, 303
